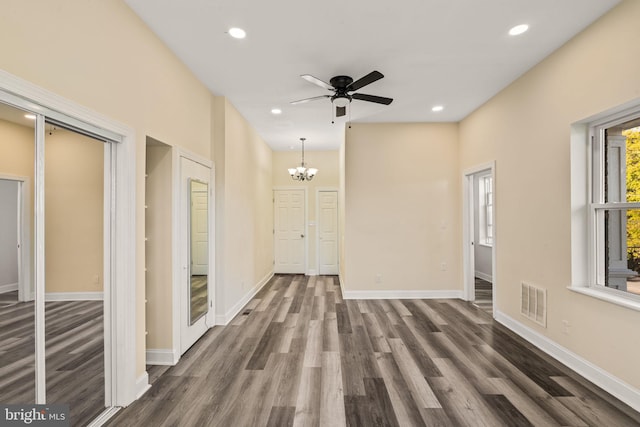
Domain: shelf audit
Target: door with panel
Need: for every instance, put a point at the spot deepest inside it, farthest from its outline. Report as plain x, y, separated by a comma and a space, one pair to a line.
328, 232
289, 231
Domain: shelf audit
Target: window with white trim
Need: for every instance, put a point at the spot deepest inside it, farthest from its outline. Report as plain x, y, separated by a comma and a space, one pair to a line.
485, 211
615, 207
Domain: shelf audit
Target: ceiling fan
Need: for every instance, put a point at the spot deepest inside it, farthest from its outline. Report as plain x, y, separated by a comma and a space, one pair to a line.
341, 87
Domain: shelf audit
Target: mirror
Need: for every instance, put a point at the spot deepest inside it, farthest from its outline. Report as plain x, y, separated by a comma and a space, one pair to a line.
198, 249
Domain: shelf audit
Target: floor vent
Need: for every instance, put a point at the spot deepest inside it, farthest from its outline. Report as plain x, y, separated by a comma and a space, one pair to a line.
533, 303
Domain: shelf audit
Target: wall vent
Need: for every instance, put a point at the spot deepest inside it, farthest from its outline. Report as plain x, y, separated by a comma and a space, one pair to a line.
533, 303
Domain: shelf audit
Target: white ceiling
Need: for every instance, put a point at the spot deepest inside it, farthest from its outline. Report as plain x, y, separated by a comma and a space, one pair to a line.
456, 53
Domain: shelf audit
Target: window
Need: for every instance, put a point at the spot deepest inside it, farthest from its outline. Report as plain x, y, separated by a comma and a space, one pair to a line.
615, 204
485, 205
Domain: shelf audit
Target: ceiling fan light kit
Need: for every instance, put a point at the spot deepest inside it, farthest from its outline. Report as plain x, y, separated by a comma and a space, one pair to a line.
302, 172
342, 87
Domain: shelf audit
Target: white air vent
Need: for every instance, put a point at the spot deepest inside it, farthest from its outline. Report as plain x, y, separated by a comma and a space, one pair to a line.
533, 303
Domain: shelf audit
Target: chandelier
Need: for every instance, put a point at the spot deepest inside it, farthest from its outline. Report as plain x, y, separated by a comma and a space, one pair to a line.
302, 173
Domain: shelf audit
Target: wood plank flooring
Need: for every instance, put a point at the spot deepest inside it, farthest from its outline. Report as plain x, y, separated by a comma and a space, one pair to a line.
300, 355
484, 295
74, 355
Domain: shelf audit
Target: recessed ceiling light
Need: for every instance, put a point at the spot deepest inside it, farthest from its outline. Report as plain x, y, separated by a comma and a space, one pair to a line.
518, 29
276, 111
437, 108
237, 33
29, 116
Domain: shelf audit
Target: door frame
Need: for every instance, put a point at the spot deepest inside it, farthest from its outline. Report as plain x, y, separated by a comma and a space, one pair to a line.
122, 384
25, 285
179, 232
306, 221
318, 191
468, 232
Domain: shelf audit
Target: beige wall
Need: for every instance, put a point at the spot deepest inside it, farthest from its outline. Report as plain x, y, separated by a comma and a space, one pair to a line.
74, 200
526, 129
328, 177
100, 55
244, 212
158, 254
402, 201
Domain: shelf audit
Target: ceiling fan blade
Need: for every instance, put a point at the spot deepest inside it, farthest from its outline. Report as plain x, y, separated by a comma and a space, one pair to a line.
316, 81
302, 101
372, 98
366, 80
341, 111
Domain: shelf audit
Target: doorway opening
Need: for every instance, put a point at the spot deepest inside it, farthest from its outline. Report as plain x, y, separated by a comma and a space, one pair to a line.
479, 236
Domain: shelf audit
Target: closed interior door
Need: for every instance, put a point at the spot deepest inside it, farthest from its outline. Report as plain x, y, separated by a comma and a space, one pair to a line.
199, 229
289, 231
195, 282
328, 232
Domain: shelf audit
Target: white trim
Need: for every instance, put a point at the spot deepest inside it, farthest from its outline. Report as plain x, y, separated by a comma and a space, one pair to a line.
484, 276
224, 319
74, 296
120, 273
432, 294
312, 272
603, 379
105, 416
162, 356
142, 385
10, 287
39, 254
620, 298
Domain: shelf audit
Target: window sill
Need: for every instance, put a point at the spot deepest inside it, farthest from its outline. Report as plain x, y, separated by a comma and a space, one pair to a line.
607, 296
484, 245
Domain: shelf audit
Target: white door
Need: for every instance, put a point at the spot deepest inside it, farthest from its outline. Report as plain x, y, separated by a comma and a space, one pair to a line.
195, 179
328, 232
289, 229
199, 228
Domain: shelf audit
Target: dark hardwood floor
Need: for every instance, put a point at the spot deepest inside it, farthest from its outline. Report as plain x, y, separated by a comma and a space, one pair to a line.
299, 354
484, 295
74, 355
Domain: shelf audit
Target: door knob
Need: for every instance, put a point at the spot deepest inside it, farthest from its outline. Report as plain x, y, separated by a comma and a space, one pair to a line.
302, 235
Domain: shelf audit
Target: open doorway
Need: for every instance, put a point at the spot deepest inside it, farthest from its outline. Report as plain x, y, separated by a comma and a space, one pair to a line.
9, 239
479, 237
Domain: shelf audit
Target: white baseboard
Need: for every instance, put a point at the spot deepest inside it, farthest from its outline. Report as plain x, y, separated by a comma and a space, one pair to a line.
142, 385
603, 379
162, 356
224, 319
436, 294
74, 296
484, 276
8, 288
105, 416
312, 272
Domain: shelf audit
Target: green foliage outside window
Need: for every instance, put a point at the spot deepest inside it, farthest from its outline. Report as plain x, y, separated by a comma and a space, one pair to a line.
633, 195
